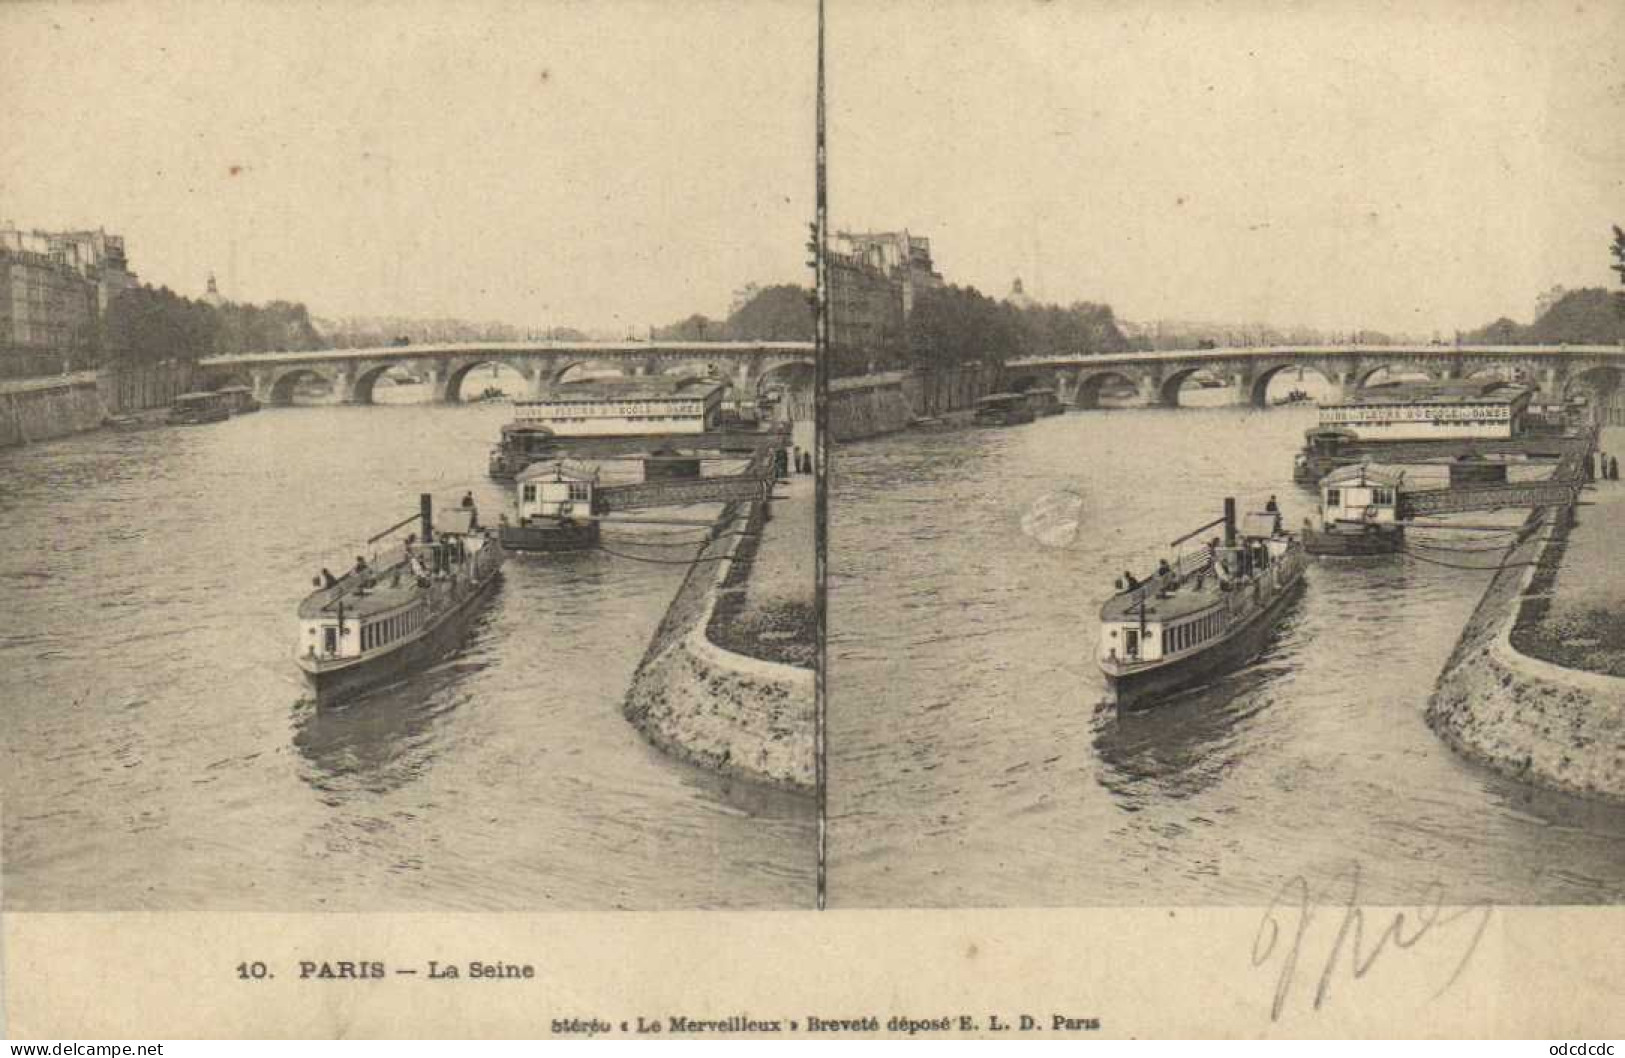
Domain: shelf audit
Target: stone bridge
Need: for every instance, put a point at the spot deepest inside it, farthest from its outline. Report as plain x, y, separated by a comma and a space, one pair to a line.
747, 366
1555, 370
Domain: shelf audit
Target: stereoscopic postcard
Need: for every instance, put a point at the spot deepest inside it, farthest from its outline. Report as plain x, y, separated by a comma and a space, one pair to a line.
812, 519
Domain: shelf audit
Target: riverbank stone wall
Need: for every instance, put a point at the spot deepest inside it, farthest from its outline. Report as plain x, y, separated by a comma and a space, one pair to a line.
713, 707
1545, 724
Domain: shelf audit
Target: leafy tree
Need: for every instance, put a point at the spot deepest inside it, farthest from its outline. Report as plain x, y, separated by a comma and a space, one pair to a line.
782, 313
696, 328
1581, 317
147, 325
1502, 332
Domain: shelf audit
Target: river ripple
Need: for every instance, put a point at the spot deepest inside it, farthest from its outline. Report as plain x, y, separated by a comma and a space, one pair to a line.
971, 763
159, 754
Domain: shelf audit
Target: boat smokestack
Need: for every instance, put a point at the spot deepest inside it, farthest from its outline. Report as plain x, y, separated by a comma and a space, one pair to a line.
1229, 521
426, 516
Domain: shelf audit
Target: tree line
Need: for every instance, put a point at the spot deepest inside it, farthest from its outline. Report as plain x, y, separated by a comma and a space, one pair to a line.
1589, 316
148, 325
947, 326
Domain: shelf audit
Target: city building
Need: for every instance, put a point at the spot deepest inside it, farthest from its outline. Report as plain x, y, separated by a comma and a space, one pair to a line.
626, 407
54, 289
1018, 296
904, 257
866, 307
874, 280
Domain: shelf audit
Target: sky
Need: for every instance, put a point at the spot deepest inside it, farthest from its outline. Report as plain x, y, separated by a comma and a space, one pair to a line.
1409, 167
599, 165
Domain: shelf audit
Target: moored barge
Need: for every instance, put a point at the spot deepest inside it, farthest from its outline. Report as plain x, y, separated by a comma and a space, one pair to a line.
194, 409
1210, 613
1359, 513
558, 508
1003, 409
521, 444
374, 626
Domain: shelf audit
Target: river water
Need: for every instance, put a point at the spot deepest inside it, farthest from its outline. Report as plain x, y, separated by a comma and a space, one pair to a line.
159, 751
971, 762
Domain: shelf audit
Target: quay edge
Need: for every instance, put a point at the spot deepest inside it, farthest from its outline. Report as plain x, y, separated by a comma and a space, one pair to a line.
1541, 723
717, 709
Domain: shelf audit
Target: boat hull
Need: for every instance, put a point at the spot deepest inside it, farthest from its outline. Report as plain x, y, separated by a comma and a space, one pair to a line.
1336, 544
547, 535
333, 683
1149, 686
197, 418
1016, 417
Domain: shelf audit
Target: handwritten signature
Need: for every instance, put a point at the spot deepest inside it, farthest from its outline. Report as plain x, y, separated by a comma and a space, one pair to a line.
1401, 931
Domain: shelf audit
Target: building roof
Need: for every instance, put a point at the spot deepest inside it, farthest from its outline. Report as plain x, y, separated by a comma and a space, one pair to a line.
1362, 474
1441, 393
643, 388
559, 470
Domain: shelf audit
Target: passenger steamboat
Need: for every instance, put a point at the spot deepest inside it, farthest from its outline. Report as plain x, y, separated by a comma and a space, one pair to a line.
1211, 612
373, 626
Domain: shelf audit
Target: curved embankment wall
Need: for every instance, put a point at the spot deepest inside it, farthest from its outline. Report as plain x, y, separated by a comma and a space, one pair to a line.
716, 708
1527, 718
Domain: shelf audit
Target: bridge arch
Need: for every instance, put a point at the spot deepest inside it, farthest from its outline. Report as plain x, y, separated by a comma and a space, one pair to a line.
459, 375
284, 385
587, 368
1091, 386
1368, 374
799, 378
1602, 382
693, 368
368, 377
1174, 381
1259, 395
1506, 372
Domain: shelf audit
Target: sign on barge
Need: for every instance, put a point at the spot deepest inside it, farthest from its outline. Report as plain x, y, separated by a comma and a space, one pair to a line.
1210, 613
374, 626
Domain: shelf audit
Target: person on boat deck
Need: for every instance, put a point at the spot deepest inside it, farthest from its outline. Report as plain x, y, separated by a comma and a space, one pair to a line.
328, 580
1272, 507
1128, 578
1163, 569
468, 499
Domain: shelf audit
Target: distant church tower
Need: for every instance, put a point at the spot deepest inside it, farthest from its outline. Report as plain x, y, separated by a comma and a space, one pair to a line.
213, 297
1018, 296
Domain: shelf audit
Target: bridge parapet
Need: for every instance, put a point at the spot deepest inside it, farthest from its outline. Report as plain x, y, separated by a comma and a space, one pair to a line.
1158, 376
354, 372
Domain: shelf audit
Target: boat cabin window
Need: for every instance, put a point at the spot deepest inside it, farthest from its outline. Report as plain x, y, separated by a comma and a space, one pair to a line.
1334, 497
580, 490
530, 493
1131, 642
1382, 497
330, 640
